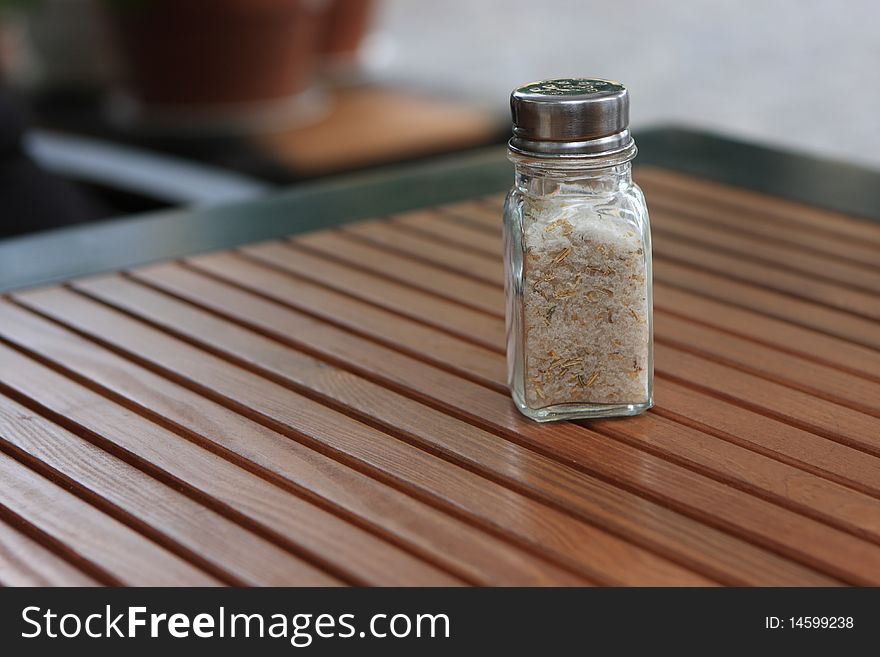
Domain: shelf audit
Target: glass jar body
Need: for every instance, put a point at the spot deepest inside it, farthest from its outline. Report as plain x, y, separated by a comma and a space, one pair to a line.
577, 251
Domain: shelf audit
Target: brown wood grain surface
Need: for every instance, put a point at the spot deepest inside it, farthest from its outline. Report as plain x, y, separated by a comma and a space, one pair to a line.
331, 409
26, 562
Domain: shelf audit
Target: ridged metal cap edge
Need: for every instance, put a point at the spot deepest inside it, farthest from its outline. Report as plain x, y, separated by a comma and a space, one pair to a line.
570, 118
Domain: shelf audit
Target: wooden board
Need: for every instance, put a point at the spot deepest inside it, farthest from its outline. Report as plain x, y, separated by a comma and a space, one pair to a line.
331, 409
366, 126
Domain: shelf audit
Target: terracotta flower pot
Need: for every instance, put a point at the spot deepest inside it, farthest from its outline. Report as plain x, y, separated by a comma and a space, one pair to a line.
345, 26
218, 52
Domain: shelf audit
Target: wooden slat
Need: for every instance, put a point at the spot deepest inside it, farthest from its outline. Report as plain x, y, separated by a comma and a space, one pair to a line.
485, 221
284, 323
578, 545
477, 556
181, 524
768, 302
25, 562
105, 544
481, 210
769, 436
479, 364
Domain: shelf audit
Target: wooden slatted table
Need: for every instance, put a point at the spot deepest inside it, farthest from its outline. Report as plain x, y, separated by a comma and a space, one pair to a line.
330, 408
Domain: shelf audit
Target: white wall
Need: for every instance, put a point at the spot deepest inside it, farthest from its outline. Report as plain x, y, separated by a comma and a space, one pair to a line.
804, 74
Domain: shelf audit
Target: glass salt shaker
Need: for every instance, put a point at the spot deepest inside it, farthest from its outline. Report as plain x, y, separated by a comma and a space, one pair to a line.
577, 251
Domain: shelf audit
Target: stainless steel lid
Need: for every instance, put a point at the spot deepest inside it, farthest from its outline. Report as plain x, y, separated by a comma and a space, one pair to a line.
570, 117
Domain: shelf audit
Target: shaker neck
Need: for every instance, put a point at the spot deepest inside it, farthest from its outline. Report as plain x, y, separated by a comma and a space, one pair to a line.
537, 178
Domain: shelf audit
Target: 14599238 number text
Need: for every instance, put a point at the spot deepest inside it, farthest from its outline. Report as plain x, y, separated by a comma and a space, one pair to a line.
810, 622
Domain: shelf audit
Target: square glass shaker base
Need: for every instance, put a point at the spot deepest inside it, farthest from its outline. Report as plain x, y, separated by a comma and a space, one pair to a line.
559, 412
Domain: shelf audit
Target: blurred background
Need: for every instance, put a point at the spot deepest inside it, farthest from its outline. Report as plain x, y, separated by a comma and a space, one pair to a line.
113, 107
